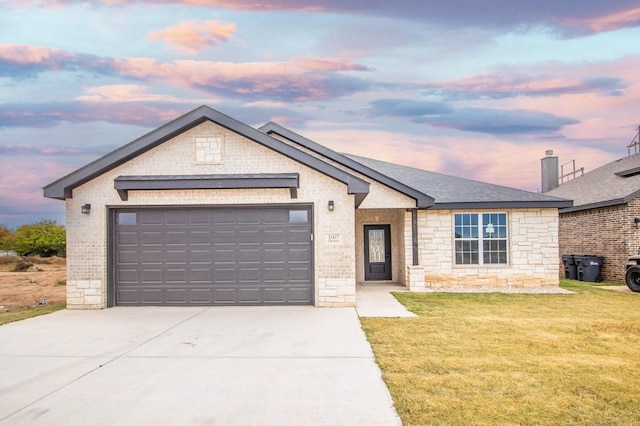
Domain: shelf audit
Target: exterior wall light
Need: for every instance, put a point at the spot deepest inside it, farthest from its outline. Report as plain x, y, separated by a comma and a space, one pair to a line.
637, 221
85, 209
330, 206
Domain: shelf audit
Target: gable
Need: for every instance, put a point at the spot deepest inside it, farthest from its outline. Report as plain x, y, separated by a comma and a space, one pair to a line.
63, 188
422, 200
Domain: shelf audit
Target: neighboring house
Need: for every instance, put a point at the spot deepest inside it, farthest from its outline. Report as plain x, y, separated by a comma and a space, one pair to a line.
207, 210
605, 217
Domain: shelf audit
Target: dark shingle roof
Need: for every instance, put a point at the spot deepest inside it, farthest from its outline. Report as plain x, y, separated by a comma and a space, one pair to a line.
612, 184
456, 192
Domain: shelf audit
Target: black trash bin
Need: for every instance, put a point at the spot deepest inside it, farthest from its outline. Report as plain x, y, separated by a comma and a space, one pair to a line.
589, 268
570, 267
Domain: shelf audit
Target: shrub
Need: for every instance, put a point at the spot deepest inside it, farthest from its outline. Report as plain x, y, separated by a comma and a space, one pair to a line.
6, 238
38, 260
22, 266
6, 260
45, 238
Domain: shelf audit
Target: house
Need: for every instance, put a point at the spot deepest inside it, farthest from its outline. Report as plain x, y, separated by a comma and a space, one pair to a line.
206, 210
605, 217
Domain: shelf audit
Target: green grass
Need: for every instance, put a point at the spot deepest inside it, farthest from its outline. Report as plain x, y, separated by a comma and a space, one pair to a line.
513, 359
7, 317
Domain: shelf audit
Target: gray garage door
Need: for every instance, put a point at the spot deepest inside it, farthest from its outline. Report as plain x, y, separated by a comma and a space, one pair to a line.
221, 256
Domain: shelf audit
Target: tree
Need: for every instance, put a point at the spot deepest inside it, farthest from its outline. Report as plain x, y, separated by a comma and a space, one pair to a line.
5, 238
45, 238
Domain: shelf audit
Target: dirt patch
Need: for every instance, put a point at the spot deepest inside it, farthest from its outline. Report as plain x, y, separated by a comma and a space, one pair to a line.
23, 290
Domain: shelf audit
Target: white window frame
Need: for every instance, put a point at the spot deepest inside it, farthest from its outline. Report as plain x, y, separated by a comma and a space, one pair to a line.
472, 236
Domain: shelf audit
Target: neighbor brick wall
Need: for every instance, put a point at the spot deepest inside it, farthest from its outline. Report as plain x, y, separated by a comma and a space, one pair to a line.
533, 252
609, 232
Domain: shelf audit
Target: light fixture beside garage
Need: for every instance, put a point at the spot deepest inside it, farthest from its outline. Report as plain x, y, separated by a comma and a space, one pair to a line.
86, 209
330, 206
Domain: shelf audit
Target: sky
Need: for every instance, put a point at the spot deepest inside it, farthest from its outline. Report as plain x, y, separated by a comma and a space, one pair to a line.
473, 88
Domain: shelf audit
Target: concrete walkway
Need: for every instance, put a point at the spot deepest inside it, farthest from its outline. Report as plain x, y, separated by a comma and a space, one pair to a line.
376, 300
191, 366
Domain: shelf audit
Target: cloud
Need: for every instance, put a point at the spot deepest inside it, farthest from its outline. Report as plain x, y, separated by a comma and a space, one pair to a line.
407, 108
130, 93
45, 115
32, 151
301, 79
502, 86
20, 61
193, 36
591, 15
498, 121
623, 19
480, 120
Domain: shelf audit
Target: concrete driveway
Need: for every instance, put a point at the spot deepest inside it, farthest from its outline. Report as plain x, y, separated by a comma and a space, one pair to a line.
192, 366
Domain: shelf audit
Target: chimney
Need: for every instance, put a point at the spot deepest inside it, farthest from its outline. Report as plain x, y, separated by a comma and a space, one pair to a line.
550, 174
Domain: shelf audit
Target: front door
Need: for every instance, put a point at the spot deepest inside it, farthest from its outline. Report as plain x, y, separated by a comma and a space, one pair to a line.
377, 252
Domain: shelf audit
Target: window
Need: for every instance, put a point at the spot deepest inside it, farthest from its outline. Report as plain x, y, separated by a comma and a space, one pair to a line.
127, 218
298, 216
481, 239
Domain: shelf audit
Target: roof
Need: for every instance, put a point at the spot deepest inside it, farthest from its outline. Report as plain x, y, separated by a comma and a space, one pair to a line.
429, 189
454, 192
615, 183
422, 199
63, 188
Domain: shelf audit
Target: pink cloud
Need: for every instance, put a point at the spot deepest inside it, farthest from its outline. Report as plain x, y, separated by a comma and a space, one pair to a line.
48, 57
615, 21
193, 36
503, 84
297, 80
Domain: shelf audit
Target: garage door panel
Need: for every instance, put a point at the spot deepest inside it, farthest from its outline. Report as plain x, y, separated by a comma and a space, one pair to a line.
299, 295
150, 257
126, 296
151, 276
151, 238
220, 256
152, 217
127, 238
201, 276
248, 217
125, 276
201, 296
225, 296
248, 295
128, 257
274, 295
151, 296
176, 296
176, 276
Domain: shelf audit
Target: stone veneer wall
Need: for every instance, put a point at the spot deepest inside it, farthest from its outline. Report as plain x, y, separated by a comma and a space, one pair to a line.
610, 232
87, 234
533, 253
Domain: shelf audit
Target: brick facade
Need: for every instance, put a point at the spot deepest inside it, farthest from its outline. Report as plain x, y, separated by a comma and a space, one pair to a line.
87, 235
209, 148
610, 232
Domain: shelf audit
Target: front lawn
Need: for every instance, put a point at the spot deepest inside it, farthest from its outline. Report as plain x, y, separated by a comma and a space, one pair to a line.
513, 359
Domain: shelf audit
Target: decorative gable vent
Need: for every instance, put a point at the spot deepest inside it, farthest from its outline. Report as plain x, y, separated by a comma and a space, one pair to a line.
209, 149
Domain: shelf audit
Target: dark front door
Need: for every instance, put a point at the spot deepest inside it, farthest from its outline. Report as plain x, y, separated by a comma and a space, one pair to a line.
377, 252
